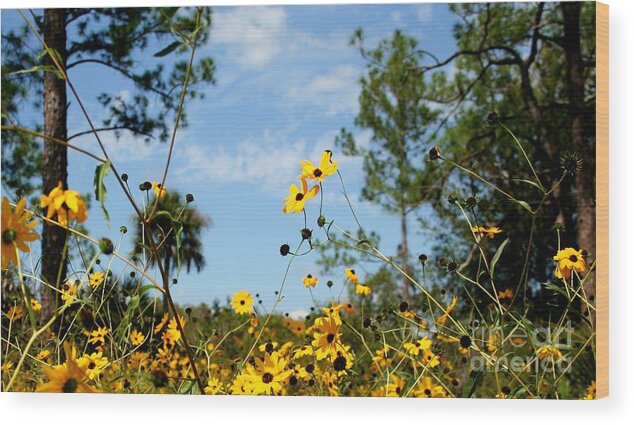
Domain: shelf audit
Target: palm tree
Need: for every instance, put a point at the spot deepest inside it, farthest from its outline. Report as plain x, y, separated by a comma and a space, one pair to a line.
164, 231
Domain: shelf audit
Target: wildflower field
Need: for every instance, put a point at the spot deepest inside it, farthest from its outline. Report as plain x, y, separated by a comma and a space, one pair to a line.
489, 292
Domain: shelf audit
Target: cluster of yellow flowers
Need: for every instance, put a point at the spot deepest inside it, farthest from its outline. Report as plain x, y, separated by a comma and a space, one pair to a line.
67, 204
297, 197
360, 289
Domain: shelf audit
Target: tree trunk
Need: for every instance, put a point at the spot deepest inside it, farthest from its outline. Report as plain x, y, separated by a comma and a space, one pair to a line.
54, 156
405, 253
584, 180
166, 279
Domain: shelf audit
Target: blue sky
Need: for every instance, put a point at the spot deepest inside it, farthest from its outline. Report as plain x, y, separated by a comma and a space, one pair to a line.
286, 84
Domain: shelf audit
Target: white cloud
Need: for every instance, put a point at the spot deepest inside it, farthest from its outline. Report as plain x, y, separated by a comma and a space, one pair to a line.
270, 162
253, 34
336, 91
397, 17
126, 149
425, 12
298, 314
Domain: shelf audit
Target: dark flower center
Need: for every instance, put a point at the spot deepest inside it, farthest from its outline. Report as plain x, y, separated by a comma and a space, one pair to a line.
92, 365
318, 172
241, 302
573, 258
268, 348
8, 236
70, 386
330, 338
340, 363
299, 196
267, 377
427, 392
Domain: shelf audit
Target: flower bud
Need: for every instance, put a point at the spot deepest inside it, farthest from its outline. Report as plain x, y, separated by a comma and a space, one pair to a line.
434, 153
106, 246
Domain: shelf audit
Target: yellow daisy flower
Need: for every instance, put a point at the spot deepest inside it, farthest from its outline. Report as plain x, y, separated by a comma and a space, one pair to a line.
35, 305
417, 347
15, 312
487, 231
67, 377
310, 281
428, 388
43, 355
443, 319
136, 338
267, 375
68, 204
297, 197
549, 352
213, 386
351, 275
326, 340
159, 191
396, 386
507, 294
69, 291
98, 336
326, 167
242, 302
569, 259
96, 279
92, 364
16, 231
363, 290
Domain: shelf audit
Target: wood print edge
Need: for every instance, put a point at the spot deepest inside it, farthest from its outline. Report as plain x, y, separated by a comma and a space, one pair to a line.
602, 201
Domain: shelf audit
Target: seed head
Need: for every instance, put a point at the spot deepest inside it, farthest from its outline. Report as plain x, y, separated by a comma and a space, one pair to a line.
306, 233
434, 153
106, 246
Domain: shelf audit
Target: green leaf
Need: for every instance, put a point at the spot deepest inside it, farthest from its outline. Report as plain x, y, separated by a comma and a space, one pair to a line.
532, 183
125, 322
525, 205
38, 68
497, 255
145, 289
474, 380
178, 231
101, 172
169, 49
556, 288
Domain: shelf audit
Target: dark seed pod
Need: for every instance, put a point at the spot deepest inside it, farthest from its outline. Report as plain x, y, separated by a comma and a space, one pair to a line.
403, 307
465, 341
434, 153
306, 233
366, 322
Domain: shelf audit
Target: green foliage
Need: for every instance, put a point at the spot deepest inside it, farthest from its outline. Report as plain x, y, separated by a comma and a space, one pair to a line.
177, 229
392, 106
115, 38
101, 171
